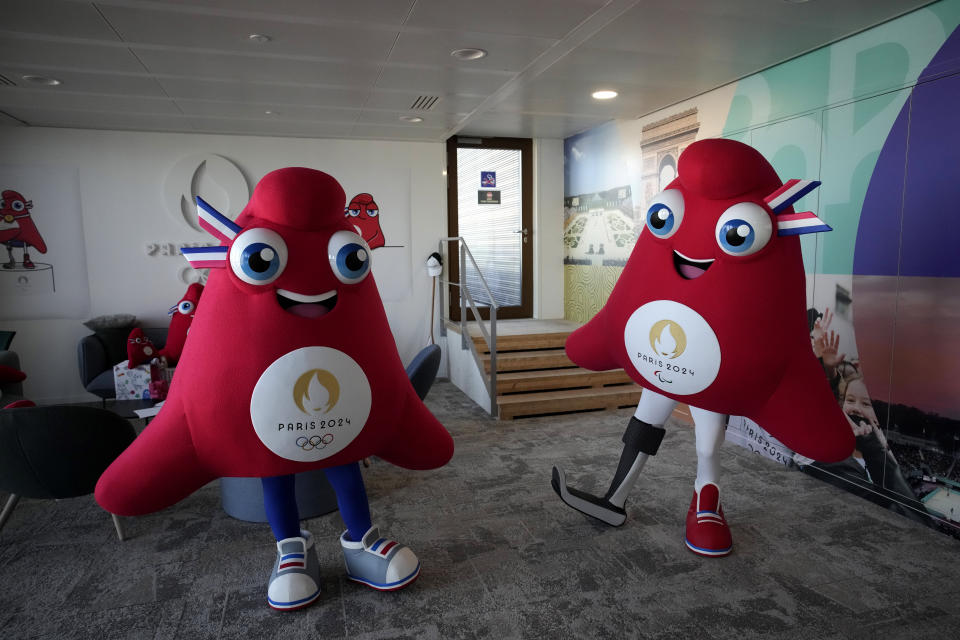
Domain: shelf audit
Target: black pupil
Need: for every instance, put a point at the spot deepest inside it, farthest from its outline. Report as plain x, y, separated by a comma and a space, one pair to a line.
658, 219
257, 263
354, 263
734, 239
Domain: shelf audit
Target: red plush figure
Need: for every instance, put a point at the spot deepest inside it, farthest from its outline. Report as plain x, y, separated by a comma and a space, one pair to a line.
182, 317
291, 366
140, 349
710, 310
364, 214
9, 375
17, 228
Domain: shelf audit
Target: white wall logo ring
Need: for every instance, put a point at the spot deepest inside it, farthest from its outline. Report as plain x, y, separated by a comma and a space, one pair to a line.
216, 179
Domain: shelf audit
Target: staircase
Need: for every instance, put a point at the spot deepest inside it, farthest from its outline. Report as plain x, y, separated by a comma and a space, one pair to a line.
535, 377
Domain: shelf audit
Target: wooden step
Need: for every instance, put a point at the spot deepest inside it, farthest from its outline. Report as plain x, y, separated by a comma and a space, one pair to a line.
546, 402
527, 360
524, 342
520, 381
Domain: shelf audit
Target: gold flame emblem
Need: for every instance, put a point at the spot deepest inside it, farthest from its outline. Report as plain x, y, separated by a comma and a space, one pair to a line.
668, 339
316, 391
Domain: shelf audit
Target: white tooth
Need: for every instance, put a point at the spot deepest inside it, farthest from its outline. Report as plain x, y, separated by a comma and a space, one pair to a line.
300, 297
710, 261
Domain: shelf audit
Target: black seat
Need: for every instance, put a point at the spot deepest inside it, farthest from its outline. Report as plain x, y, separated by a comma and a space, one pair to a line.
58, 452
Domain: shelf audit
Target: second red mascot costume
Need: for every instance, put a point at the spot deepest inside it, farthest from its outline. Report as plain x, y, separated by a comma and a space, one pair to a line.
710, 310
290, 366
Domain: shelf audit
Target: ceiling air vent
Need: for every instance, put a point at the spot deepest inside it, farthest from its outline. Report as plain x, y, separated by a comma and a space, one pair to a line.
425, 103
6, 82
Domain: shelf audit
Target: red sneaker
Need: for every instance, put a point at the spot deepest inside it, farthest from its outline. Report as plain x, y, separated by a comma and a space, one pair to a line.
707, 530
28, 263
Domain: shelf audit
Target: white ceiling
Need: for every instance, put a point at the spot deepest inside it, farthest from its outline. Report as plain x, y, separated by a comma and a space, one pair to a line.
352, 68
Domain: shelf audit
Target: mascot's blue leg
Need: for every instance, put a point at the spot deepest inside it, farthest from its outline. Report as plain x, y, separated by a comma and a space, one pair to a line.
371, 559
351, 498
295, 580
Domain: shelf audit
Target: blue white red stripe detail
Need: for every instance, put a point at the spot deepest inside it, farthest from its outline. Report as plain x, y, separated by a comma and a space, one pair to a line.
206, 257
789, 193
215, 223
292, 561
794, 224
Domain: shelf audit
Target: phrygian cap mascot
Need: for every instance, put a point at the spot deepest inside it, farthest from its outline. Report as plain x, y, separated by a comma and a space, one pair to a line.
710, 310
290, 366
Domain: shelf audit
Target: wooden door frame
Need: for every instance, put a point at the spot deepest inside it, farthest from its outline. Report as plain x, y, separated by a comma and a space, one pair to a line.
525, 146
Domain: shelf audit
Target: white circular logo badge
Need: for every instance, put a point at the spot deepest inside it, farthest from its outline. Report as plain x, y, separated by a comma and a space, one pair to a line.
672, 347
310, 404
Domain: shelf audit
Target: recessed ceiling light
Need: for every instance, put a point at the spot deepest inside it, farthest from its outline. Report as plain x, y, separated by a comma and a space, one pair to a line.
44, 80
411, 118
604, 94
259, 38
469, 53
270, 112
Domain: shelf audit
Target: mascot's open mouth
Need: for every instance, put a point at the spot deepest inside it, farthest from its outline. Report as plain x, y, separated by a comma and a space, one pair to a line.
689, 268
307, 306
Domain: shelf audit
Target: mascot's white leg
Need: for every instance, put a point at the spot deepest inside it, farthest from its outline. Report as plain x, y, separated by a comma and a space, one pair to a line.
641, 440
707, 531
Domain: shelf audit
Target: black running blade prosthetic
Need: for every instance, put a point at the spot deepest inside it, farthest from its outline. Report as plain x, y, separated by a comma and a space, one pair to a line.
593, 506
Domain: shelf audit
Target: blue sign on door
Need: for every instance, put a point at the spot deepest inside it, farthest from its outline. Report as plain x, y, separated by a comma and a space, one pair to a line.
488, 179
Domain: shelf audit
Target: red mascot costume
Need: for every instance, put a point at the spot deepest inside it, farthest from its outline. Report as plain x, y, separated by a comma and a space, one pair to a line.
710, 310
291, 366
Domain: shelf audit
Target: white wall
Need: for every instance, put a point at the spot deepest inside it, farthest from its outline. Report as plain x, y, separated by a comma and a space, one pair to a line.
548, 228
121, 191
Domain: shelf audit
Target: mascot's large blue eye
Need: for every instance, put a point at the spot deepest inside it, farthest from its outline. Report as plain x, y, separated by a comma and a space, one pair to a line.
665, 213
258, 256
743, 229
349, 257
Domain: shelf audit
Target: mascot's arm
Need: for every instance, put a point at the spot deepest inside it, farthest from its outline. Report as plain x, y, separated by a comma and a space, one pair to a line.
587, 346
420, 441
803, 414
159, 469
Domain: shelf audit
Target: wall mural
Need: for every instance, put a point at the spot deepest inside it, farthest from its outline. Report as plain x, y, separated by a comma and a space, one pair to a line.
872, 117
43, 271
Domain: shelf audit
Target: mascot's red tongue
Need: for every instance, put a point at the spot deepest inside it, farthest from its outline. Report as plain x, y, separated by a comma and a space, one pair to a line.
308, 310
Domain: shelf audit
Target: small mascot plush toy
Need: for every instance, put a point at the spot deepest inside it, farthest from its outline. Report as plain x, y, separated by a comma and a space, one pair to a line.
290, 366
181, 317
710, 310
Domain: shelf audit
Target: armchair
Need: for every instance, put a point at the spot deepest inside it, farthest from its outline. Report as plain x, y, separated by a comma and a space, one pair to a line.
98, 352
58, 452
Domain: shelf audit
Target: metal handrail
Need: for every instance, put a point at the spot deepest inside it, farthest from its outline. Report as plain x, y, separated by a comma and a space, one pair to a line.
489, 337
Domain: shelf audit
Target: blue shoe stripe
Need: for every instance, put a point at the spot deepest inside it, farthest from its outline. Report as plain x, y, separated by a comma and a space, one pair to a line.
377, 544
295, 602
387, 585
291, 555
709, 552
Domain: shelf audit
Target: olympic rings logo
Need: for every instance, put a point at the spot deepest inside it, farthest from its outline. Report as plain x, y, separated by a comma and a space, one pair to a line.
314, 442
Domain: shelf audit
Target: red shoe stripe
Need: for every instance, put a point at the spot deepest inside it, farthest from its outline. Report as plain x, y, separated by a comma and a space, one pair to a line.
387, 547
292, 565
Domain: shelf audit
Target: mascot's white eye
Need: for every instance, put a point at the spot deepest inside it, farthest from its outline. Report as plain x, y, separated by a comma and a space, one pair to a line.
17, 205
258, 256
665, 213
373, 213
349, 257
743, 229
185, 307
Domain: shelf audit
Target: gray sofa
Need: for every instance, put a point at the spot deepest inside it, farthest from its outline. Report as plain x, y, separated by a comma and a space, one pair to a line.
98, 352
11, 391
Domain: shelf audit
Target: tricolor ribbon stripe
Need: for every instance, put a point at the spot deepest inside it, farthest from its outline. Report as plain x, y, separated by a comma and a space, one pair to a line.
789, 193
387, 545
206, 257
794, 224
292, 561
215, 223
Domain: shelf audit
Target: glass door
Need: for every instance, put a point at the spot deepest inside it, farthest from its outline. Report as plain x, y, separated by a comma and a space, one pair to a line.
490, 204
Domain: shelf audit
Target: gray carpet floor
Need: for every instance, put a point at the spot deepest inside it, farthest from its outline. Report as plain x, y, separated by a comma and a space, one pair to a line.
502, 556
